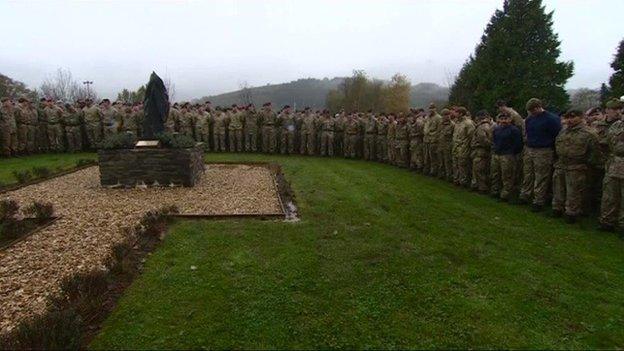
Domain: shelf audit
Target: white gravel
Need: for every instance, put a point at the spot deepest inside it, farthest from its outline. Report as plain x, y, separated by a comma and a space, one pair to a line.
92, 222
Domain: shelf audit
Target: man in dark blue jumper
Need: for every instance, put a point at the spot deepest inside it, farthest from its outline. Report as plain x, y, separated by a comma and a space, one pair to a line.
541, 128
507, 145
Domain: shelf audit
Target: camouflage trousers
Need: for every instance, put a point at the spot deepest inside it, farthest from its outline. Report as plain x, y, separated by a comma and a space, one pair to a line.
351, 141
236, 140
327, 143
503, 175
480, 170
416, 154
287, 142
251, 141
269, 139
8, 141
73, 136
381, 148
307, 143
369, 146
41, 137
569, 190
55, 137
431, 164
26, 134
203, 136
219, 141
391, 150
94, 135
537, 174
611, 209
338, 143
462, 164
446, 162
402, 153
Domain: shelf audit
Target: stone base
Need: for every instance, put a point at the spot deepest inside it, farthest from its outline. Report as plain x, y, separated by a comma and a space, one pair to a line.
151, 167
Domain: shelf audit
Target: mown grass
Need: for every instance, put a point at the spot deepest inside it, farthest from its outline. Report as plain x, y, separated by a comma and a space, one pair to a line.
382, 258
54, 162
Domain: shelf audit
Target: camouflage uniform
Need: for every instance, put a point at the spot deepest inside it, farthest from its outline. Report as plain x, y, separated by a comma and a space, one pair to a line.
187, 123
352, 135
27, 122
110, 118
8, 131
236, 131
462, 137
269, 121
382, 140
402, 144
327, 136
339, 127
41, 133
93, 125
480, 146
391, 141
138, 115
577, 151
370, 131
431, 164
73, 132
611, 208
251, 130
173, 124
202, 128
288, 130
218, 131
308, 134
445, 148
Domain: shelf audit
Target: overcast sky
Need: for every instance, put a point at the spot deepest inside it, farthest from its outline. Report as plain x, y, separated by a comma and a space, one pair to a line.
210, 47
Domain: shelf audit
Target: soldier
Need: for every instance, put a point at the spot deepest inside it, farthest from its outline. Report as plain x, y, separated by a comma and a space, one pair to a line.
287, 131
327, 134
370, 132
445, 145
382, 140
506, 148
251, 129
27, 122
480, 146
391, 139
542, 127
308, 133
202, 127
577, 151
172, 124
236, 130
109, 118
93, 124
187, 120
71, 123
401, 142
430, 141
128, 123
516, 118
352, 134
138, 115
462, 137
41, 136
8, 128
218, 130
269, 120
612, 205
339, 127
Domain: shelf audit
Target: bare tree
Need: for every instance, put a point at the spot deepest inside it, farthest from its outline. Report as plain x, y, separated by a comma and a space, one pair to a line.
245, 95
170, 86
60, 86
584, 99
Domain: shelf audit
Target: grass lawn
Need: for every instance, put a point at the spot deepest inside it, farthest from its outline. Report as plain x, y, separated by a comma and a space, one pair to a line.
382, 258
55, 162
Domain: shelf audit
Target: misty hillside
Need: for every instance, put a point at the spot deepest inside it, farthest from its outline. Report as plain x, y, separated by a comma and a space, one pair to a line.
312, 92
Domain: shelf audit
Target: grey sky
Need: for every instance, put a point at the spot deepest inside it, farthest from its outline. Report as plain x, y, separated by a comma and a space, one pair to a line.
209, 47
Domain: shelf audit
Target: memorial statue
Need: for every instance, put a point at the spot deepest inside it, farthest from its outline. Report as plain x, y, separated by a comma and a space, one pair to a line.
155, 107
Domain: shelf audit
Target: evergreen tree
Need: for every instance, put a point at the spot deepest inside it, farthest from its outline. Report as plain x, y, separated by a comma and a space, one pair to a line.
515, 60
616, 82
605, 93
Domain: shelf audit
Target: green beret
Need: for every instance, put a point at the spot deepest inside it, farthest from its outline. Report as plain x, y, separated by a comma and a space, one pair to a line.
533, 103
614, 104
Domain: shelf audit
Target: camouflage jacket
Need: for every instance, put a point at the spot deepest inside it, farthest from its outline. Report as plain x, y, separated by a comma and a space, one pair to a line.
462, 137
432, 128
577, 148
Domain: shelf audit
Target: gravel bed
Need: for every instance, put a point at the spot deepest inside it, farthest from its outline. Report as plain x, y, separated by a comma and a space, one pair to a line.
92, 222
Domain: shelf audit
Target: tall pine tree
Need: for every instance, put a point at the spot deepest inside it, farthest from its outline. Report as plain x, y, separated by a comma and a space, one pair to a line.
616, 82
516, 59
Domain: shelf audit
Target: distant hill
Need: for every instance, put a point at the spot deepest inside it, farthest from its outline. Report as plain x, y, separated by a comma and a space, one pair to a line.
14, 89
312, 92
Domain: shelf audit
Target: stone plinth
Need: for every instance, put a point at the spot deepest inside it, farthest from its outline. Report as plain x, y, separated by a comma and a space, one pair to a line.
151, 167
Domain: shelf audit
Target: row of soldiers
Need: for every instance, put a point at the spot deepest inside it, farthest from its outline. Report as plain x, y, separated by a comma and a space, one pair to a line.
573, 161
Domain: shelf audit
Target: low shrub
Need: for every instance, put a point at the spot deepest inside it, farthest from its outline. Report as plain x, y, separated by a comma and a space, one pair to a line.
8, 209
22, 176
41, 172
153, 222
42, 210
85, 162
175, 140
118, 141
